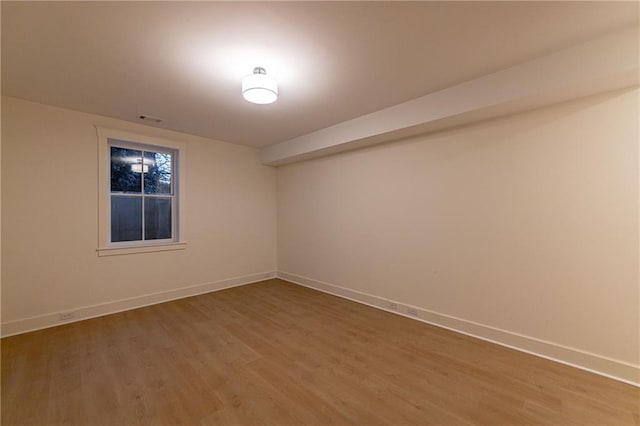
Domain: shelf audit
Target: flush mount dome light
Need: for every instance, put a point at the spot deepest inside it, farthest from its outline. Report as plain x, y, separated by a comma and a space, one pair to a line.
140, 166
259, 88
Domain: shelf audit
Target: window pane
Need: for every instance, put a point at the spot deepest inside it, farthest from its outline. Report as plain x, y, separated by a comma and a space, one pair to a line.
157, 179
126, 168
126, 218
157, 218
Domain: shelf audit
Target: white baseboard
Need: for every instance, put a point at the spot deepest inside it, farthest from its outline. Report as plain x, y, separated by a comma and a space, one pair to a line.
598, 364
52, 319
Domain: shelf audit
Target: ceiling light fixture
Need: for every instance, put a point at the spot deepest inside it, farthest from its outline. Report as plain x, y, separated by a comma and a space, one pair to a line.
258, 88
141, 167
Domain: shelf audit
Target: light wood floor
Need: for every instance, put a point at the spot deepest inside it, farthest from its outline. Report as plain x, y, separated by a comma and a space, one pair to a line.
276, 353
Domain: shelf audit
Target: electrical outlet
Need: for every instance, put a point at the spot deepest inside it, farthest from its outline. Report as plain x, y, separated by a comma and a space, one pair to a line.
412, 311
65, 316
393, 306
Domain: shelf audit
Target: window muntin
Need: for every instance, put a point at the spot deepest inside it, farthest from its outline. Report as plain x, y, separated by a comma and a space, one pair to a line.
143, 202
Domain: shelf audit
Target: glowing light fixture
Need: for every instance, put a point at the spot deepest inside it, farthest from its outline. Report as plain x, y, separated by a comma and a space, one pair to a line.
259, 88
139, 166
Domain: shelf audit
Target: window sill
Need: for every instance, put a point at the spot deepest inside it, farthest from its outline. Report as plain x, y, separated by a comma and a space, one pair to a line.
118, 251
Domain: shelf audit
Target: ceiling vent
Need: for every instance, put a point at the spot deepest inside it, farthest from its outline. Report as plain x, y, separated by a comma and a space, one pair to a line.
150, 119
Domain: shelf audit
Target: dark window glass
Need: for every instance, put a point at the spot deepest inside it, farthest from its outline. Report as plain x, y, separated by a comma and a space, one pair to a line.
126, 168
157, 218
157, 176
145, 177
126, 218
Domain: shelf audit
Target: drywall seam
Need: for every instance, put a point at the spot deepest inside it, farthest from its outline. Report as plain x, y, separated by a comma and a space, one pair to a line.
604, 366
52, 319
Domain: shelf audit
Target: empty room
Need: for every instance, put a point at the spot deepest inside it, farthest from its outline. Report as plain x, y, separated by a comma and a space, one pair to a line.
320, 213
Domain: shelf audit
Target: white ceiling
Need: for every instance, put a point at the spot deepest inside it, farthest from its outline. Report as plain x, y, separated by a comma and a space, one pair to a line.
334, 61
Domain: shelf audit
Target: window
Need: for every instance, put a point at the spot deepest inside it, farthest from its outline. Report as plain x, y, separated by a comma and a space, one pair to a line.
141, 200
142, 193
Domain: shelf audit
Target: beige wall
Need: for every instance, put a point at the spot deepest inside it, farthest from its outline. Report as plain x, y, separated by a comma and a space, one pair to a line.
527, 224
50, 222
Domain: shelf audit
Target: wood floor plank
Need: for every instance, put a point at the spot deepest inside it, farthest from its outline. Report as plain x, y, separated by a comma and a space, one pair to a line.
274, 353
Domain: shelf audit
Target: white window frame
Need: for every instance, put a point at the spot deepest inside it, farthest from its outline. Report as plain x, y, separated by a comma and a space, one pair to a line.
108, 137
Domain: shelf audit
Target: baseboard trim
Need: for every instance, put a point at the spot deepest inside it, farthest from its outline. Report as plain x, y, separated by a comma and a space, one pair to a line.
614, 369
52, 319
